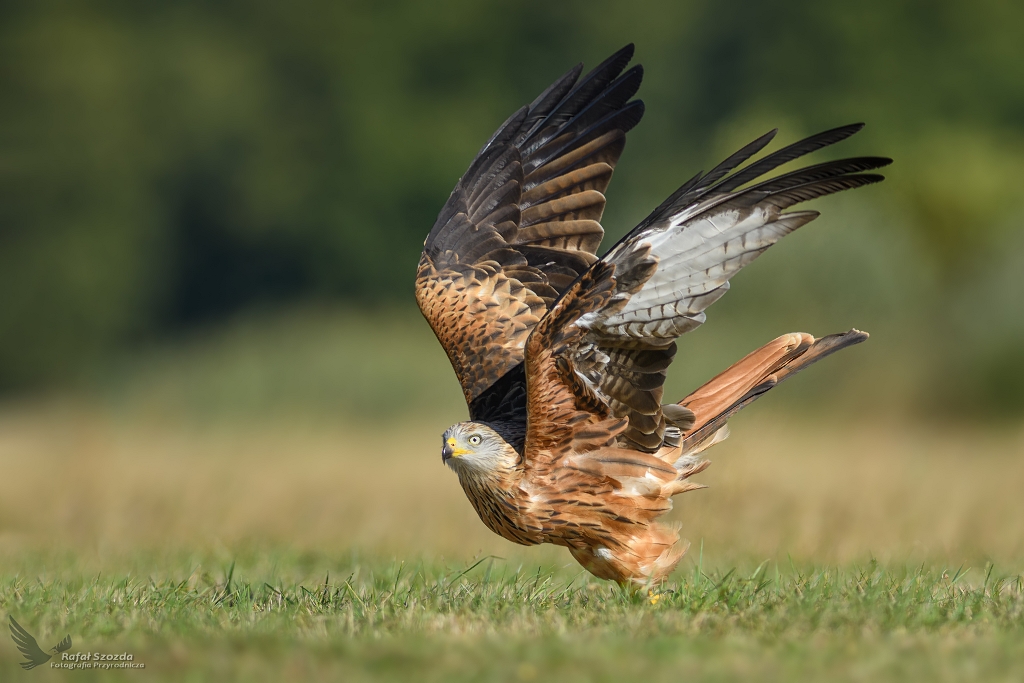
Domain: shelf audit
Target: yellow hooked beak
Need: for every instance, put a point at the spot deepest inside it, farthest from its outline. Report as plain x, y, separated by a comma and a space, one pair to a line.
451, 450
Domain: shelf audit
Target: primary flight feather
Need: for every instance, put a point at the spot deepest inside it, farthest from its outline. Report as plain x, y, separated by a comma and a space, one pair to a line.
562, 355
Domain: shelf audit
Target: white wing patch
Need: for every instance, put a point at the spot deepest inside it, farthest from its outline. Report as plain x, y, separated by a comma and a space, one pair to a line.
696, 258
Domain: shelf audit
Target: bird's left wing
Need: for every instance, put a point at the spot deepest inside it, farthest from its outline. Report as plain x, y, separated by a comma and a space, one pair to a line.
523, 223
566, 411
595, 365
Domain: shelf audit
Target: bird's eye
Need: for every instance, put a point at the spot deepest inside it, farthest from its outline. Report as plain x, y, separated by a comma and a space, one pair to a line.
475, 440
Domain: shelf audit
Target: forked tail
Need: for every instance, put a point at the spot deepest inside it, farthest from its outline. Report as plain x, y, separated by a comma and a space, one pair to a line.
743, 382
648, 551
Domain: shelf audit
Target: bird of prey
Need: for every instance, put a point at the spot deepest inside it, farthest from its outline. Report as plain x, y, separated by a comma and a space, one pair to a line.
562, 354
34, 655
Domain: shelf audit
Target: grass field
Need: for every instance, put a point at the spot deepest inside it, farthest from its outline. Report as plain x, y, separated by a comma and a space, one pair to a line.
496, 622
226, 510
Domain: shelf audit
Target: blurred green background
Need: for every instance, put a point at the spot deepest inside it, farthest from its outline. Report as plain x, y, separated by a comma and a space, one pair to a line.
249, 184
210, 216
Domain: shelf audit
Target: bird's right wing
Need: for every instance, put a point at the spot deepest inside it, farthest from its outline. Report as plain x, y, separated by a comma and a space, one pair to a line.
27, 645
610, 338
523, 223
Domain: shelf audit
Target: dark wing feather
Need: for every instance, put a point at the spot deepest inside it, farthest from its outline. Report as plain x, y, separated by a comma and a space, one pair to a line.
604, 355
521, 225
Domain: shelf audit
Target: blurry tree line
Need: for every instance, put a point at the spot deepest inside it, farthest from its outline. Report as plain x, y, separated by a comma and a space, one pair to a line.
164, 165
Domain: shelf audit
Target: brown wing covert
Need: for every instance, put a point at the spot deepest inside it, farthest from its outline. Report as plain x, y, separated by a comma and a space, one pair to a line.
523, 223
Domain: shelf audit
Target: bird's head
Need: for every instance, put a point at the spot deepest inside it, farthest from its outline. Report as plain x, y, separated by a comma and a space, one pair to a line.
474, 448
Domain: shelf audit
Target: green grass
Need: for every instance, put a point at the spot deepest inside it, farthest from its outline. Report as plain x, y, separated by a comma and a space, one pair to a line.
238, 506
267, 618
